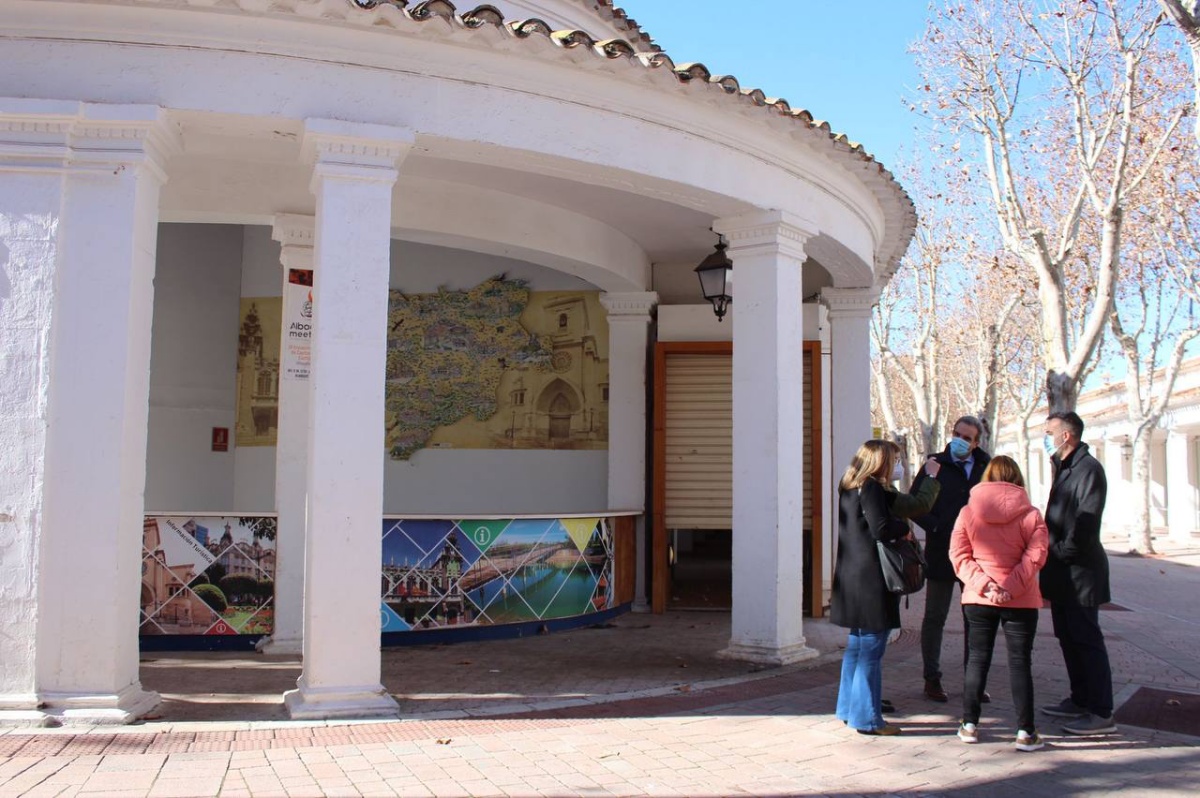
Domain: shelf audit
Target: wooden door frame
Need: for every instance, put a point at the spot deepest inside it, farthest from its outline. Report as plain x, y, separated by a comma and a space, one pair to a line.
659, 545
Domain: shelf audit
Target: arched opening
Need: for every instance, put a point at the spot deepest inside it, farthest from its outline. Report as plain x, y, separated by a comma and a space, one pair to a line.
560, 418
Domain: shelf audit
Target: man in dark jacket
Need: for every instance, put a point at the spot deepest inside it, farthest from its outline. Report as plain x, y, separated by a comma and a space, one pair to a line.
962, 464
1075, 577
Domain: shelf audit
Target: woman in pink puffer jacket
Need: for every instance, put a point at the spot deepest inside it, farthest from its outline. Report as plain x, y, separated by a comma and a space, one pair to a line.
997, 548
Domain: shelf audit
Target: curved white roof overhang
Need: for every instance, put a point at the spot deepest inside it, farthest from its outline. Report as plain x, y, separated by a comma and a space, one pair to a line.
479, 101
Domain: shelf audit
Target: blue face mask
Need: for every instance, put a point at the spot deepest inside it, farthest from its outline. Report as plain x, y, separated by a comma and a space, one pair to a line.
959, 449
1050, 446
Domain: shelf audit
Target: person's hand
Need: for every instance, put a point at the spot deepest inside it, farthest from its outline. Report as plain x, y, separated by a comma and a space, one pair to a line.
932, 467
996, 594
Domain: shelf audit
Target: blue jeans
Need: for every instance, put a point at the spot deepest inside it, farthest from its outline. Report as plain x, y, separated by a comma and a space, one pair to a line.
862, 680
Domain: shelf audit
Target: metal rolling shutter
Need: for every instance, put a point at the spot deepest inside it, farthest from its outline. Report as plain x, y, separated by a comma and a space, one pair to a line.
699, 442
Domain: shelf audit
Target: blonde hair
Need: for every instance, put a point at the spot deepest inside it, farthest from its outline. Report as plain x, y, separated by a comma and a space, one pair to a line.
873, 460
1003, 469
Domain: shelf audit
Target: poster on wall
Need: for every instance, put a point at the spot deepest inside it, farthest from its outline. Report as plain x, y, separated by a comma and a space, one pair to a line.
496, 367
258, 371
207, 575
298, 315
445, 573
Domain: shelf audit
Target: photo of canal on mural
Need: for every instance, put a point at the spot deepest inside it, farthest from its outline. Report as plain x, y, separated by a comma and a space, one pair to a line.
214, 576
443, 573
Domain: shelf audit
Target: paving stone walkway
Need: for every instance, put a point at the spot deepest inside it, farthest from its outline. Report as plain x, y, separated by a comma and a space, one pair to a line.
640, 706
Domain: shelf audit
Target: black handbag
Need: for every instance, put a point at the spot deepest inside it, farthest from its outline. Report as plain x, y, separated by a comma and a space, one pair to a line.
903, 565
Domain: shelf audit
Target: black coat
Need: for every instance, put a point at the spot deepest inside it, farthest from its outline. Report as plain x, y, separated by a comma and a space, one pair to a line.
939, 522
1076, 570
860, 598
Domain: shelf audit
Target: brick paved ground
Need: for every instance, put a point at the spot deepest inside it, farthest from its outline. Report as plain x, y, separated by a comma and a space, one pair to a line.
642, 707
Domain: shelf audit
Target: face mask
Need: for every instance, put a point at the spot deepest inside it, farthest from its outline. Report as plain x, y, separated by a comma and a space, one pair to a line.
959, 449
897, 472
1050, 445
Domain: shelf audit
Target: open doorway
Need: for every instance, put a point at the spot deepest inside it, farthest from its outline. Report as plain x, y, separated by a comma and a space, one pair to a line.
702, 572
692, 467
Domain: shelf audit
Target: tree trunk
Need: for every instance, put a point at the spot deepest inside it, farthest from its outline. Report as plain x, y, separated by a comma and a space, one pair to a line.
1062, 392
927, 444
1139, 531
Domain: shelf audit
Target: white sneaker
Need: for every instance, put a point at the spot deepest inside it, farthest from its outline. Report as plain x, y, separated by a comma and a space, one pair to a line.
1029, 741
968, 733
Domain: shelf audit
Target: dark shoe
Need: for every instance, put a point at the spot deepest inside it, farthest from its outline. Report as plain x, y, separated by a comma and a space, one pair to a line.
886, 706
886, 730
1090, 725
986, 698
1064, 709
934, 691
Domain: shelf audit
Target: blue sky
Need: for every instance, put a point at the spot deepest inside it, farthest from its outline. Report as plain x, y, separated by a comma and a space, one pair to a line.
846, 63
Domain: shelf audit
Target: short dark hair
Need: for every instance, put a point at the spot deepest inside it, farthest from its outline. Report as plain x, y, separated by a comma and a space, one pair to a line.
1071, 421
971, 421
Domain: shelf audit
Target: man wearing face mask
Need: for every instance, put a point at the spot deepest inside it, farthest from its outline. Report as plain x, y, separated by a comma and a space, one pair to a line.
962, 465
1075, 577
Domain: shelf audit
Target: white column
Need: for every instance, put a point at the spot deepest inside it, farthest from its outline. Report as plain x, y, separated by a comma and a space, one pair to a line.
1181, 489
295, 236
767, 250
1118, 515
850, 377
79, 187
1158, 480
829, 478
353, 180
628, 338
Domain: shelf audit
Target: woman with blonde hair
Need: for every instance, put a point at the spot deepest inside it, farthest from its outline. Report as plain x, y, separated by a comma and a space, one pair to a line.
861, 601
998, 546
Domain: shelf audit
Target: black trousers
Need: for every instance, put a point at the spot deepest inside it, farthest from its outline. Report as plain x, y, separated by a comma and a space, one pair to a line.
1086, 657
1020, 628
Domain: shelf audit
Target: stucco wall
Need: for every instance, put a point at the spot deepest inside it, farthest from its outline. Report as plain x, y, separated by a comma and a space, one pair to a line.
192, 366
202, 271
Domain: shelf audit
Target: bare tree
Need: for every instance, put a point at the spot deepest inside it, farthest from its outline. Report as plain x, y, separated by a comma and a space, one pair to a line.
904, 331
1024, 396
1155, 320
1186, 14
1053, 94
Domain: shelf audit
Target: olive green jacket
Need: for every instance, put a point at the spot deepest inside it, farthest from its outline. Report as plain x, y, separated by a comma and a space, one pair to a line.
912, 505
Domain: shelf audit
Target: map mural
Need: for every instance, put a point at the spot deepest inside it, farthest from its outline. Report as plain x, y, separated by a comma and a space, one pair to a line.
496, 367
207, 576
443, 573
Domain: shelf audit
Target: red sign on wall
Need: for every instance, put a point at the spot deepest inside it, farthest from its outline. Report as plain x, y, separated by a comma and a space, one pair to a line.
220, 439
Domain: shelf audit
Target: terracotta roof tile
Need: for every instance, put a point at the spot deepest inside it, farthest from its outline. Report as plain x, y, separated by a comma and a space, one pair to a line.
898, 207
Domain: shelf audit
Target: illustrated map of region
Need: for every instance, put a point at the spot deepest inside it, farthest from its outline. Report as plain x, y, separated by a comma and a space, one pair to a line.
447, 353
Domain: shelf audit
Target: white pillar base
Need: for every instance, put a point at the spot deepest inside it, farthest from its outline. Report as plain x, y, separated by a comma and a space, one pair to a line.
306, 703
769, 655
289, 647
25, 719
69, 709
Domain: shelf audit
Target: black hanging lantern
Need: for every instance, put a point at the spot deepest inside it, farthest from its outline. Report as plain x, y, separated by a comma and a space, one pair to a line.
715, 273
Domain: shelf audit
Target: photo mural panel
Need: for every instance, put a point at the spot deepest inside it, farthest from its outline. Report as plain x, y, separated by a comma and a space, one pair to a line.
211, 575
259, 329
444, 573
